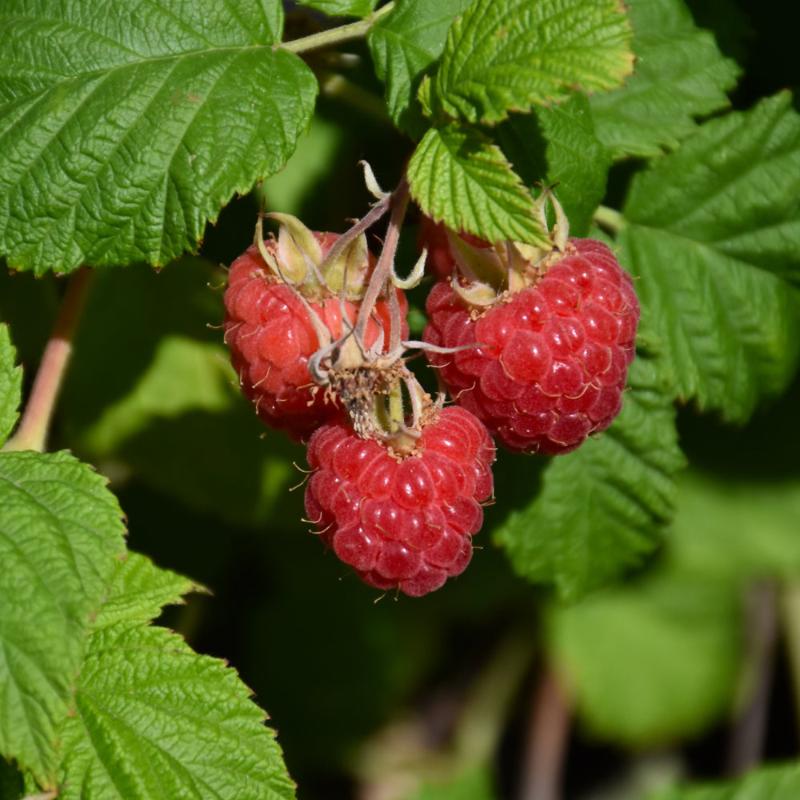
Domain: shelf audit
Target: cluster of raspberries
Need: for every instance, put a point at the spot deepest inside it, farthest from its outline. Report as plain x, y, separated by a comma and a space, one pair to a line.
538, 368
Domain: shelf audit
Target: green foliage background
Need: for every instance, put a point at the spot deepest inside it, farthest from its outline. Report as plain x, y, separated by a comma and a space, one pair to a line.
626, 566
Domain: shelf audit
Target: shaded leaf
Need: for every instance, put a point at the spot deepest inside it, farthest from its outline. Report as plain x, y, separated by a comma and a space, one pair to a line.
173, 399
557, 145
10, 385
680, 74
602, 507
404, 45
772, 783
651, 662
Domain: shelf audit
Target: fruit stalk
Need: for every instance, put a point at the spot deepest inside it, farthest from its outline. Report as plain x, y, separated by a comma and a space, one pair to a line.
383, 269
35, 424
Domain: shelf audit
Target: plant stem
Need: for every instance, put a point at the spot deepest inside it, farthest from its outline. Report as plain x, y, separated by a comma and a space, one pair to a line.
749, 730
342, 33
383, 269
546, 746
33, 429
609, 218
790, 618
485, 711
336, 86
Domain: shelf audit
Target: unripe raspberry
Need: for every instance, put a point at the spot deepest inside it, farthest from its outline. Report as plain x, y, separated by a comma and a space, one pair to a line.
272, 336
402, 522
553, 357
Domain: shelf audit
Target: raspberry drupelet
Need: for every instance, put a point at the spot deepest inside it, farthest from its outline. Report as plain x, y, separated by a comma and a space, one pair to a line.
403, 522
545, 366
269, 325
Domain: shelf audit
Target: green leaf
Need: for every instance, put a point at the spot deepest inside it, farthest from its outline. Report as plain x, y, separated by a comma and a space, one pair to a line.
60, 532
734, 530
653, 661
509, 55
772, 783
713, 235
10, 385
474, 783
154, 719
459, 177
404, 45
558, 146
341, 8
173, 399
680, 74
123, 134
139, 591
602, 507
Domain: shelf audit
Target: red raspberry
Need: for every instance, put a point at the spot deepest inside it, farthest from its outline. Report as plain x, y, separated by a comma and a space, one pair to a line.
271, 338
554, 356
433, 236
403, 523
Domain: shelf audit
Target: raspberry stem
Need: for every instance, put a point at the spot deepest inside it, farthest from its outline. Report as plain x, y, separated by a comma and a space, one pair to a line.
342, 33
383, 269
32, 431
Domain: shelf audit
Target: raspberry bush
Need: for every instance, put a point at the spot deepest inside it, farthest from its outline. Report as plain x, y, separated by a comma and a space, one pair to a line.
468, 389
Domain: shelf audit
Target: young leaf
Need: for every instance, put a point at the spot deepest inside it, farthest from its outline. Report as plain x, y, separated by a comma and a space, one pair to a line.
602, 507
459, 177
155, 720
341, 8
680, 74
140, 126
558, 146
509, 55
60, 531
10, 385
403, 45
652, 661
713, 234
771, 783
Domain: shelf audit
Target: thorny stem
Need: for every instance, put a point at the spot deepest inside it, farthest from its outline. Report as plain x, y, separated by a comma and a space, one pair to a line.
609, 218
342, 33
546, 746
747, 736
383, 269
33, 429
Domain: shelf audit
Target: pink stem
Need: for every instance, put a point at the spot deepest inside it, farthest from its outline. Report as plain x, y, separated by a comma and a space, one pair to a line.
383, 269
32, 431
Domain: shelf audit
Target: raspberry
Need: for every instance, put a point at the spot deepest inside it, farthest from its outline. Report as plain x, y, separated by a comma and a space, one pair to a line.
433, 237
554, 356
403, 523
271, 336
